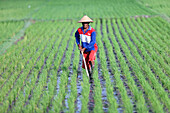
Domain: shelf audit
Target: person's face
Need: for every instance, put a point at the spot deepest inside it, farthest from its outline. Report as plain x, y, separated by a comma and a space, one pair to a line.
85, 25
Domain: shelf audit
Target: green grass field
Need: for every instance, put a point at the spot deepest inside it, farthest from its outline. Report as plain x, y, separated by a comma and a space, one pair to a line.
40, 64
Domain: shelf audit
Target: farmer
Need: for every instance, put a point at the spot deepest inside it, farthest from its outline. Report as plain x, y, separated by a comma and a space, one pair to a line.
88, 43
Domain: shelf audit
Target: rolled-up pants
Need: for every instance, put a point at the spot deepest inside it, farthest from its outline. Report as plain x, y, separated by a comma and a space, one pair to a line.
90, 56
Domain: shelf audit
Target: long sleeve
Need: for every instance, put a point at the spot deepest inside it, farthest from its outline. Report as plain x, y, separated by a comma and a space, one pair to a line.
77, 37
93, 40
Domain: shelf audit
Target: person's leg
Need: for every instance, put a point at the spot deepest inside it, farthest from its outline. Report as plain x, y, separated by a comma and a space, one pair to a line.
85, 56
92, 61
93, 55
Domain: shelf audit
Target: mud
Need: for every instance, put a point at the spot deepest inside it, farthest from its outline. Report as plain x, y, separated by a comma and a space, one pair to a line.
78, 103
101, 78
59, 71
91, 103
68, 88
116, 92
102, 83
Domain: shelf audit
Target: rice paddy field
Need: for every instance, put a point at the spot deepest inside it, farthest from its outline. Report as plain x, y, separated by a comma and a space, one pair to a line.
40, 64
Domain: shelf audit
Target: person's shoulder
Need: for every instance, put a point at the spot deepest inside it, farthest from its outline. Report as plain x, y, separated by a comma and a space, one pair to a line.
79, 29
92, 29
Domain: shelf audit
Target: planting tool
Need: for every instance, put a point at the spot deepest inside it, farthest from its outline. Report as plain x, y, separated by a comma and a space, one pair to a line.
85, 64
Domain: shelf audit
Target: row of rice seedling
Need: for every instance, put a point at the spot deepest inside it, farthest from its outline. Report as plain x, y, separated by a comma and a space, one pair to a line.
29, 67
73, 93
11, 95
46, 85
19, 55
158, 28
164, 25
147, 72
153, 54
9, 84
126, 101
162, 39
53, 66
97, 91
7, 68
11, 28
154, 37
42, 33
155, 84
20, 45
85, 92
43, 83
157, 44
148, 59
63, 76
30, 74
137, 70
161, 6
138, 96
98, 104
17, 73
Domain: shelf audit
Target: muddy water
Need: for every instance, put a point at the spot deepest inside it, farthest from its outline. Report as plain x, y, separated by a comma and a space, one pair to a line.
69, 80
91, 103
59, 71
58, 78
102, 80
79, 87
103, 87
68, 87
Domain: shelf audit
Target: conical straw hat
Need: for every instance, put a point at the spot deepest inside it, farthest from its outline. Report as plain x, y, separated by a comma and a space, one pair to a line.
85, 19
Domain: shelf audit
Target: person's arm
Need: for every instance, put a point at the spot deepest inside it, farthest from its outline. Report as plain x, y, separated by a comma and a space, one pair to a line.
77, 38
93, 40
78, 41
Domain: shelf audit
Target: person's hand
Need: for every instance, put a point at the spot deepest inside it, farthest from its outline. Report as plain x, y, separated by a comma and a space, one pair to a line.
83, 50
80, 48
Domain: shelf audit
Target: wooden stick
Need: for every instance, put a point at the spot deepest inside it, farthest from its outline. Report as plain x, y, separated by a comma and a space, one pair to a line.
85, 64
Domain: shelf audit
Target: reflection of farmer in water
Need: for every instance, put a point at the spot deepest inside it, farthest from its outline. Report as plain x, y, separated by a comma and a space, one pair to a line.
88, 42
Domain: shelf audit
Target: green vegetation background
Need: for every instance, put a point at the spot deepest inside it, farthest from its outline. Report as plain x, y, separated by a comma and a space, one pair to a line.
74, 9
26, 10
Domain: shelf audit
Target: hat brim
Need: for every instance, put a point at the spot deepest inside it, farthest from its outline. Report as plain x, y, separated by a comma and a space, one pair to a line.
85, 21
